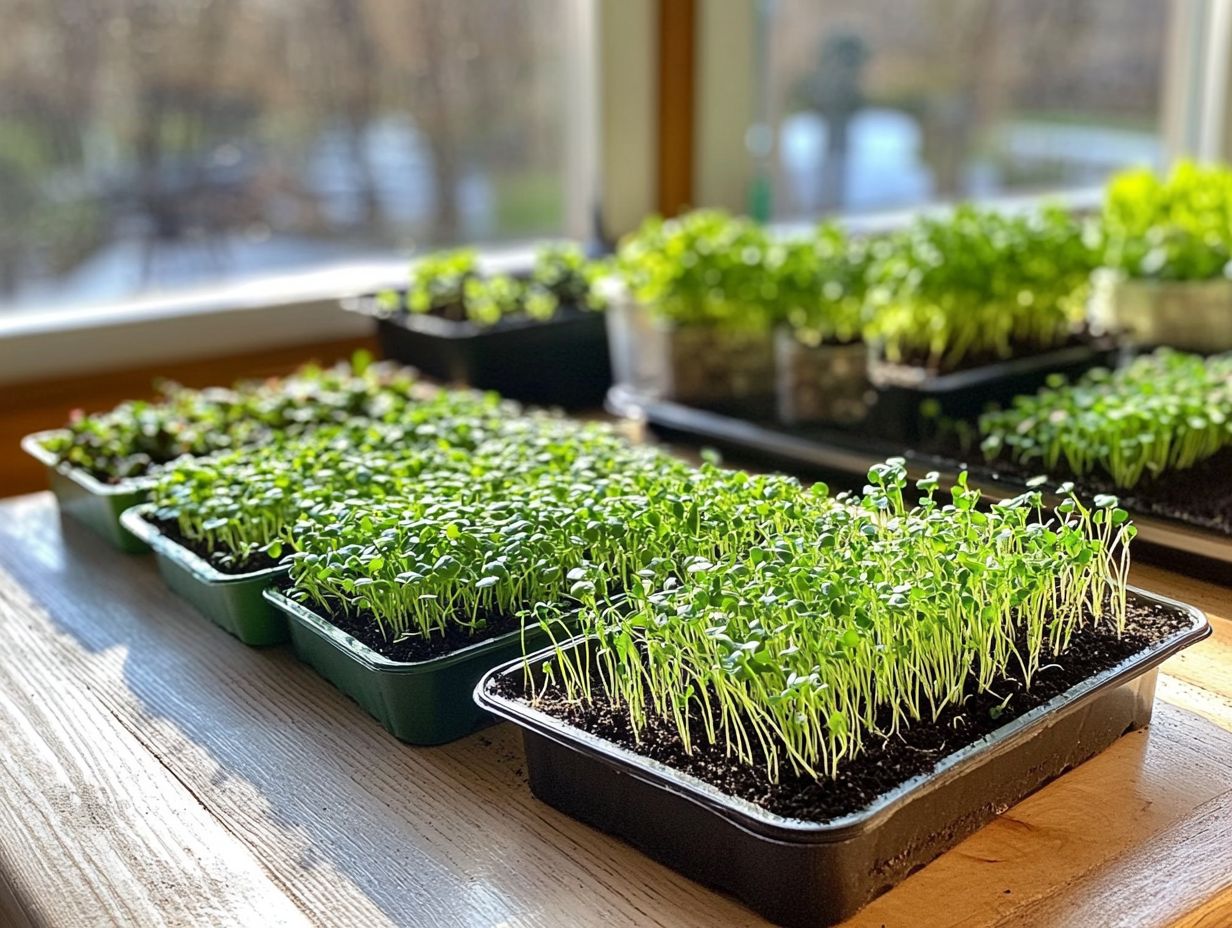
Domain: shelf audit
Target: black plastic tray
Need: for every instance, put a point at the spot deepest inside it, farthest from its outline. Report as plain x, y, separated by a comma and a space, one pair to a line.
803, 873
902, 392
844, 457
562, 361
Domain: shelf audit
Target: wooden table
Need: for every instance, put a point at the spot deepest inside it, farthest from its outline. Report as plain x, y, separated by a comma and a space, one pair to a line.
158, 772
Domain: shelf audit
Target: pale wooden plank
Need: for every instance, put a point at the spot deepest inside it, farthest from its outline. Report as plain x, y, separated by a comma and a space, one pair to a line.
1211, 705
1216, 912
1145, 782
93, 829
1154, 883
440, 836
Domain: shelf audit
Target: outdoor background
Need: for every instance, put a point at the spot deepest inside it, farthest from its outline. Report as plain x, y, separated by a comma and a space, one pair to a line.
154, 145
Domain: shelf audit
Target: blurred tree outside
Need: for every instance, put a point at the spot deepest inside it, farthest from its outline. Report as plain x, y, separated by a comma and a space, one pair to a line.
150, 144
959, 98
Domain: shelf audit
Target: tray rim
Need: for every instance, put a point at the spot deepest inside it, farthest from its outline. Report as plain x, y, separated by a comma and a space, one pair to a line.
134, 520
32, 445
464, 330
368, 659
753, 819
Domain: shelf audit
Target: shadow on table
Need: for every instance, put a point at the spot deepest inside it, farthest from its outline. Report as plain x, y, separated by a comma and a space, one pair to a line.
328, 799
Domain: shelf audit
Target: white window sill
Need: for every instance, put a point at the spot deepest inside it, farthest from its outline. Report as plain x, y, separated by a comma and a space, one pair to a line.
287, 310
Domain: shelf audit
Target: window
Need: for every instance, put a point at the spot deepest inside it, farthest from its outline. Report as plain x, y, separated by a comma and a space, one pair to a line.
878, 104
155, 145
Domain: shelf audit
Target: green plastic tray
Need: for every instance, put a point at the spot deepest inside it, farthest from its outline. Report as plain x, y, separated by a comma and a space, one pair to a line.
426, 702
91, 502
231, 601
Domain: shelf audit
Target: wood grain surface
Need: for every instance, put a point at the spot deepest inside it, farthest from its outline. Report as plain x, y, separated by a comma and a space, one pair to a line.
158, 772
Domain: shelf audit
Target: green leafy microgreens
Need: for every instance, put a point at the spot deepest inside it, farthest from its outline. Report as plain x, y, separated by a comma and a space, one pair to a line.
488, 300
708, 268
568, 275
702, 268
822, 283
244, 502
451, 285
1174, 228
567, 515
515, 534
847, 622
1164, 411
437, 284
136, 437
978, 284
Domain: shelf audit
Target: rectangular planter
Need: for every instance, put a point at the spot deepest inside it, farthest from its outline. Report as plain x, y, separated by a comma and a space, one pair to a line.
803, 873
87, 500
1191, 315
562, 361
426, 702
910, 399
699, 365
821, 384
233, 602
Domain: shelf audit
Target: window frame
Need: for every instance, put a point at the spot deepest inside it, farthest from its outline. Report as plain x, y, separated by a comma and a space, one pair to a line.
611, 174
1194, 118
301, 307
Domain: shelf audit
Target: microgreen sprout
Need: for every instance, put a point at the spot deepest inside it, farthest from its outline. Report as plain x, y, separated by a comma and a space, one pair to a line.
136, 437
1174, 228
979, 284
848, 622
1163, 412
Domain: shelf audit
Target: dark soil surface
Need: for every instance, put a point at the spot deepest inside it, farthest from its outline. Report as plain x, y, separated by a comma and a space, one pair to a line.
1200, 496
171, 530
364, 628
913, 751
984, 358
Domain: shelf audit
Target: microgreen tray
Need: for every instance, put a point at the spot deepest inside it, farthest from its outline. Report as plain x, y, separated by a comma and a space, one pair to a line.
902, 392
809, 873
844, 457
562, 361
231, 601
88, 500
425, 702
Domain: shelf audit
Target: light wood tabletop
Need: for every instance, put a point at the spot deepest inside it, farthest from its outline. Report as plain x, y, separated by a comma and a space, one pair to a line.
158, 772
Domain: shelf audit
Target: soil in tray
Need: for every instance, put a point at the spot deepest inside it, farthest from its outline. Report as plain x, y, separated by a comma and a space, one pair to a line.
913, 751
1200, 496
977, 359
171, 530
364, 629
